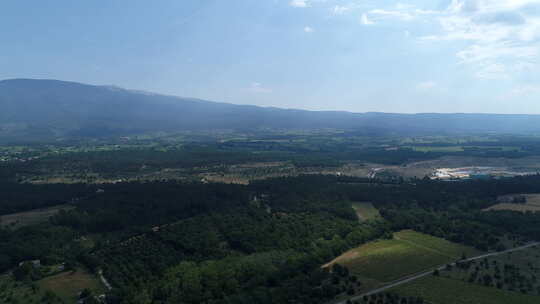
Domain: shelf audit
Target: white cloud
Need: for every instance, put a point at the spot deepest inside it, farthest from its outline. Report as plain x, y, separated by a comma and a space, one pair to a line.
486, 6
257, 87
426, 85
365, 20
501, 37
403, 15
299, 3
308, 29
400, 12
340, 10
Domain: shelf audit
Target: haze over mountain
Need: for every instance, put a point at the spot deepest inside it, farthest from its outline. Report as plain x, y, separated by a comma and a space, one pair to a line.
45, 109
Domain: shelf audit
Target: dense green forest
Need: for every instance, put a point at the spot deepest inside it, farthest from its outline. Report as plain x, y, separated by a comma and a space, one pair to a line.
190, 242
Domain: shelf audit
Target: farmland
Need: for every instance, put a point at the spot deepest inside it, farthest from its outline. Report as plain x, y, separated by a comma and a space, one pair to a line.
244, 157
531, 203
21, 219
67, 285
516, 271
254, 219
60, 288
407, 253
440, 290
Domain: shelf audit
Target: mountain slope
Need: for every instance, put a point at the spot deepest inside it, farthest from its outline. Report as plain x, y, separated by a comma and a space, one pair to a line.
52, 108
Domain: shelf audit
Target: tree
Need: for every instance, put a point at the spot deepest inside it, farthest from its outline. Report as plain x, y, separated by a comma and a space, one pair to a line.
85, 293
23, 272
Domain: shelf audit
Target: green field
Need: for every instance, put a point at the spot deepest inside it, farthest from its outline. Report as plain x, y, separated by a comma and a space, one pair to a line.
67, 285
460, 148
439, 290
532, 203
365, 211
21, 219
514, 271
408, 253
60, 288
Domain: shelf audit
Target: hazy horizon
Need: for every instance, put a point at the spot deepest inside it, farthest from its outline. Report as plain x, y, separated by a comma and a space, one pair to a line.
263, 106
447, 56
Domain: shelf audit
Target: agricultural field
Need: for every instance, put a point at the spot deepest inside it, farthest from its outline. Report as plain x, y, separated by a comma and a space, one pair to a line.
441, 290
365, 211
21, 219
447, 149
518, 202
409, 252
517, 271
60, 288
68, 285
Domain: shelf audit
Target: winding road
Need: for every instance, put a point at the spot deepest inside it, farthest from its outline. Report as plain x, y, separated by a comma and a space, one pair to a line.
104, 280
413, 277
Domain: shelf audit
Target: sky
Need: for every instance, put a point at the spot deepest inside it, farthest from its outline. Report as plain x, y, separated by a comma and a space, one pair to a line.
408, 56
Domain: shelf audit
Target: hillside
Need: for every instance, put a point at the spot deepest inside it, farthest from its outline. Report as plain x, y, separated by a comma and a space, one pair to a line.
47, 109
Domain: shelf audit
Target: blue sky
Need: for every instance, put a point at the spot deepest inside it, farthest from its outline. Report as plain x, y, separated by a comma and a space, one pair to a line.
355, 55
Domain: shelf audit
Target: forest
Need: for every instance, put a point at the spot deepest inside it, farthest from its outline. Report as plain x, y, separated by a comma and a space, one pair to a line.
192, 242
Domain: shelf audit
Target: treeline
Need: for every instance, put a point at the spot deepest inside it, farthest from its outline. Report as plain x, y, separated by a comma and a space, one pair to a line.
18, 197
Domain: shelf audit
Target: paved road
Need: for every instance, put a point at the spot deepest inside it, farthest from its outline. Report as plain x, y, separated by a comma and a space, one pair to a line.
104, 280
413, 277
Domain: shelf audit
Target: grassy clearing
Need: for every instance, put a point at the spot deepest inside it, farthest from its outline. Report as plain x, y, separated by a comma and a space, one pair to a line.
514, 207
408, 253
439, 290
365, 211
67, 285
439, 245
65, 288
21, 219
532, 203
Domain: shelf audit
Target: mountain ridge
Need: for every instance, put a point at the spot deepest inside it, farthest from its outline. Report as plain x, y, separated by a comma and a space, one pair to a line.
49, 108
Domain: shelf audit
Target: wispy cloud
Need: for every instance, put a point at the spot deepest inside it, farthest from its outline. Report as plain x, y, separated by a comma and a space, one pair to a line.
308, 29
426, 85
381, 13
299, 3
257, 87
364, 19
340, 9
502, 37
521, 91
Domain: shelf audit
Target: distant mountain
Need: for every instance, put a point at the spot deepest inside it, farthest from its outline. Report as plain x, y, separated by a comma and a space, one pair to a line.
45, 109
